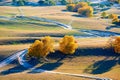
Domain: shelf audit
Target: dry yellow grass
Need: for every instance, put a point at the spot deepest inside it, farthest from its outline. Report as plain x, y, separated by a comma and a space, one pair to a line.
92, 42
41, 76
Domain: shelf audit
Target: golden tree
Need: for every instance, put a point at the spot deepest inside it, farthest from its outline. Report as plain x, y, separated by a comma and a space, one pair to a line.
86, 11
68, 45
117, 45
41, 48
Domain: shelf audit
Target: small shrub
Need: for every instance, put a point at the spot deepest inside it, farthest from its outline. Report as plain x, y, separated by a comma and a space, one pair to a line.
104, 14
68, 45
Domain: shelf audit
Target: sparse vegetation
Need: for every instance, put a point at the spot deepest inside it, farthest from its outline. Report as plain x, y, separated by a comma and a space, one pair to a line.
113, 16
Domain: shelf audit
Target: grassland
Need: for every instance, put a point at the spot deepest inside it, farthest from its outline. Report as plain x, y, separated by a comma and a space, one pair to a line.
93, 59
32, 28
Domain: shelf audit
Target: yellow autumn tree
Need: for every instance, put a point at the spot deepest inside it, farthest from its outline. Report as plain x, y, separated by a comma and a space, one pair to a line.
68, 45
86, 11
41, 48
116, 45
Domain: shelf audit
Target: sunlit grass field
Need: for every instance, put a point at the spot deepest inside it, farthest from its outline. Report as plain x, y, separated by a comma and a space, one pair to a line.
94, 56
92, 61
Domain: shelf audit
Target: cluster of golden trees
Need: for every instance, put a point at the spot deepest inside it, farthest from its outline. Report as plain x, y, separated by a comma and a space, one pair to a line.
82, 8
114, 17
67, 45
41, 48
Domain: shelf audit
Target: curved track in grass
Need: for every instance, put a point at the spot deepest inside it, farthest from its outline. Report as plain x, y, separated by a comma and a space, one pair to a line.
11, 58
87, 33
65, 26
22, 61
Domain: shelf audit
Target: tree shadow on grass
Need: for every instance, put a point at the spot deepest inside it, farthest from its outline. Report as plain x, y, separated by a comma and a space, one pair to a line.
95, 52
79, 16
64, 10
102, 66
46, 66
119, 61
111, 27
15, 69
97, 68
19, 68
58, 56
2, 57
